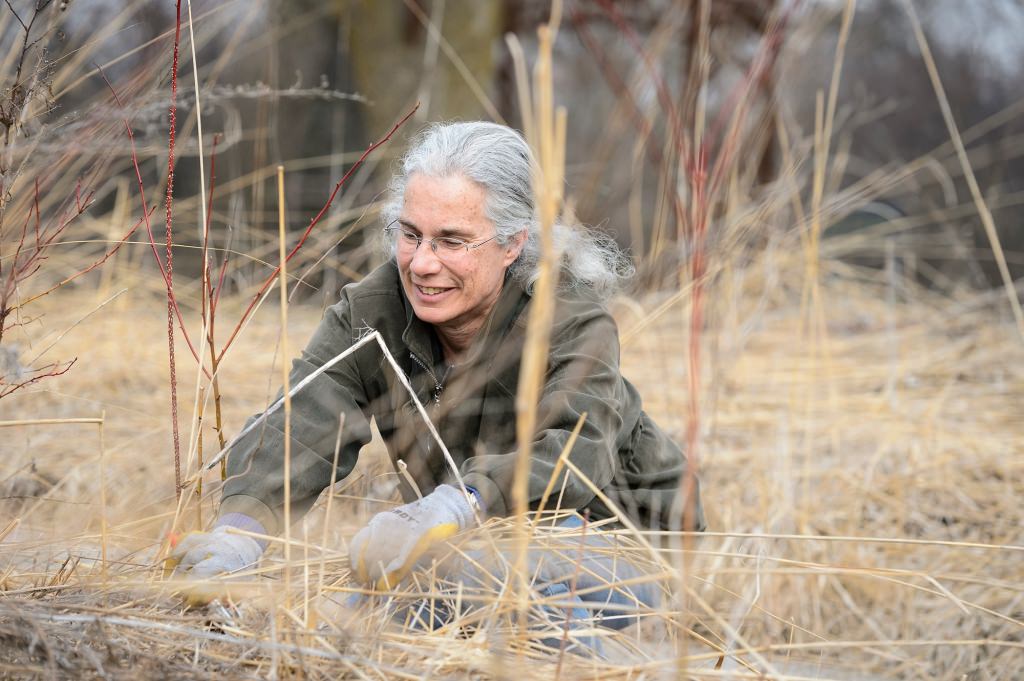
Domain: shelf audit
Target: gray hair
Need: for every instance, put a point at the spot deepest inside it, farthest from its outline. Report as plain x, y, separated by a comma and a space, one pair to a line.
498, 159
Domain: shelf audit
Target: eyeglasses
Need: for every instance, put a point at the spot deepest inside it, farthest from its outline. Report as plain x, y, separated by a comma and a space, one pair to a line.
442, 246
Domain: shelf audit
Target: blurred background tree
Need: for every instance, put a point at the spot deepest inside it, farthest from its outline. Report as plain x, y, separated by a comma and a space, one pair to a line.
310, 84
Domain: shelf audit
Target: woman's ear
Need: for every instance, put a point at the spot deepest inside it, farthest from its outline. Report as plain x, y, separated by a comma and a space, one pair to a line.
515, 247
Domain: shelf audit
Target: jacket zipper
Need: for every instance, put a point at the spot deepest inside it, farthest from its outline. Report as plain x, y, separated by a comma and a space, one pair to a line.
438, 387
438, 384
436, 396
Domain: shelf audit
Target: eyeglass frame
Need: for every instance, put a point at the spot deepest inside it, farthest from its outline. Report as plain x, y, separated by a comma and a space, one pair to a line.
397, 226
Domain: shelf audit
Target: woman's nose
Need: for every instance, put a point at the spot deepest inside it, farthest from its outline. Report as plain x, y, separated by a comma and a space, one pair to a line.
424, 259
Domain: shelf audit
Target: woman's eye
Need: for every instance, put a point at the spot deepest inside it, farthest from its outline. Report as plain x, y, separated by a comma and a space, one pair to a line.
451, 244
410, 237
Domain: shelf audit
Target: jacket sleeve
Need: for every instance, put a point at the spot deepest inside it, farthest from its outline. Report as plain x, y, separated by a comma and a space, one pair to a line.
255, 484
582, 376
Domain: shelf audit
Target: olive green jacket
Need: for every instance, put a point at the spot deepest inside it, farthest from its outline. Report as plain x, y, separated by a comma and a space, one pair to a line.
620, 449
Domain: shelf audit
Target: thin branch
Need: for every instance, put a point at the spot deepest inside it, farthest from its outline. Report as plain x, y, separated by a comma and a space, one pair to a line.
146, 215
51, 373
302, 240
15, 13
90, 268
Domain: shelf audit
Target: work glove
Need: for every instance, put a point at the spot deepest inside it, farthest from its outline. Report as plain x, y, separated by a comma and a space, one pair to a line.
383, 552
202, 555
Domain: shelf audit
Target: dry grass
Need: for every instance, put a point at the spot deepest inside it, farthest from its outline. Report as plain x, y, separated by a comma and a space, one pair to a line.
869, 507
860, 448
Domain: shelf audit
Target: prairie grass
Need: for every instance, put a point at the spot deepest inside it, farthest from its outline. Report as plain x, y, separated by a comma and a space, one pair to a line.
859, 441
900, 556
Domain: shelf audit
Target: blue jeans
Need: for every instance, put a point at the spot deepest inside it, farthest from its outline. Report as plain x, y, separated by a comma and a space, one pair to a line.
581, 579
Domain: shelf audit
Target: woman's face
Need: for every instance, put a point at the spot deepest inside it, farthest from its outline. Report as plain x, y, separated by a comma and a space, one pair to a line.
452, 289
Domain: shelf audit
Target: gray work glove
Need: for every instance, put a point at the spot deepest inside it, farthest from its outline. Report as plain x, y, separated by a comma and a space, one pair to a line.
383, 552
202, 555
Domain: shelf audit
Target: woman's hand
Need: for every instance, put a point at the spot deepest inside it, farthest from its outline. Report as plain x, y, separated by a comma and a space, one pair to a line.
383, 552
202, 555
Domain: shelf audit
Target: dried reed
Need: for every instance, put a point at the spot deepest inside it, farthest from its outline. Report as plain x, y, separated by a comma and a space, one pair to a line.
864, 499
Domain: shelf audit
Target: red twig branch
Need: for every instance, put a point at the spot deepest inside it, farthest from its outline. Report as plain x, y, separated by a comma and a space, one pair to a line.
209, 311
106, 256
727, 132
737, 104
698, 268
215, 297
26, 261
679, 136
146, 213
51, 370
171, 304
615, 80
312, 223
206, 228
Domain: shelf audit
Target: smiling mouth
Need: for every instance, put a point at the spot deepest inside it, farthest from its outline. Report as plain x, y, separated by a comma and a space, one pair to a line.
430, 290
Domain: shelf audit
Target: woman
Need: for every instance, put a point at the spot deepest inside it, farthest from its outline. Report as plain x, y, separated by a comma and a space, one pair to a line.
451, 305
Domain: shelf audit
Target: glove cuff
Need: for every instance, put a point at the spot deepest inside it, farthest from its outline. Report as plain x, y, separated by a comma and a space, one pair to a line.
245, 523
456, 502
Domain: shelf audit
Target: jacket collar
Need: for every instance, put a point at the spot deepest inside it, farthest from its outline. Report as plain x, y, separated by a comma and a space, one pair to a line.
418, 336
421, 338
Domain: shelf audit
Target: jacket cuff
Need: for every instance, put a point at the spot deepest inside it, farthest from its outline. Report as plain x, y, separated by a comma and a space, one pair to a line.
478, 501
253, 508
492, 501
